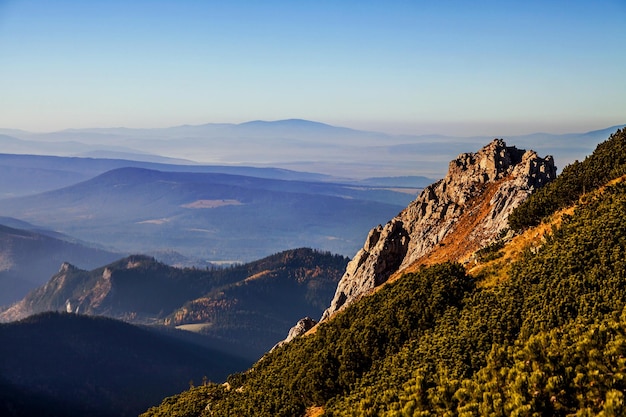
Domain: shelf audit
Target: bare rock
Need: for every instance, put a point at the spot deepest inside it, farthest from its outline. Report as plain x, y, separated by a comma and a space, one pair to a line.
472, 202
301, 327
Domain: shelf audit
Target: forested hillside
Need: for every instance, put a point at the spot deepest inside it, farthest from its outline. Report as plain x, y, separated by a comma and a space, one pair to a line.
58, 364
243, 309
549, 339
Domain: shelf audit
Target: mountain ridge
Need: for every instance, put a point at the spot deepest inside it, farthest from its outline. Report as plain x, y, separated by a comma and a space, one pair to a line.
60, 171
29, 257
364, 153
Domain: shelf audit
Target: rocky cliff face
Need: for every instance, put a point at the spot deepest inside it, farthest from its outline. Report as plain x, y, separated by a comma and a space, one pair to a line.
450, 219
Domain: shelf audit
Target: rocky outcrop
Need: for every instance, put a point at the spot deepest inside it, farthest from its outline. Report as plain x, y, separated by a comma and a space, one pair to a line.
301, 327
32, 303
461, 213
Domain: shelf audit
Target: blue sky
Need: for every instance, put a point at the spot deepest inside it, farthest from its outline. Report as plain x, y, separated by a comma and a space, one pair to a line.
453, 67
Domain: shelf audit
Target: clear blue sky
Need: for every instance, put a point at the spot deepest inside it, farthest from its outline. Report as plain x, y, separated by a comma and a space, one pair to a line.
455, 67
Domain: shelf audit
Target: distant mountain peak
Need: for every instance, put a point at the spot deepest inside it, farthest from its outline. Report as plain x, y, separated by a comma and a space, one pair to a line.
286, 122
65, 267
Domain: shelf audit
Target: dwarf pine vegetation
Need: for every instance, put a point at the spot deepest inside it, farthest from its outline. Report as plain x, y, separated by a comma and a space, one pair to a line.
607, 162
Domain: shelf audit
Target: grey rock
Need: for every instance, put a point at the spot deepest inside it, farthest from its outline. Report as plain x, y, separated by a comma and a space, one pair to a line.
504, 174
301, 327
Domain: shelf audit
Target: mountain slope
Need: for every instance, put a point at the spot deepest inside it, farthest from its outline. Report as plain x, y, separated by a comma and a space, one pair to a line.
245, 308
256, 312
210, 216
608, 161
548, 339
29, 258
78, 365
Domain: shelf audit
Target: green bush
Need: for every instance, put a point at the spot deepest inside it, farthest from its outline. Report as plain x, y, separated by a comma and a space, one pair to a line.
607, 162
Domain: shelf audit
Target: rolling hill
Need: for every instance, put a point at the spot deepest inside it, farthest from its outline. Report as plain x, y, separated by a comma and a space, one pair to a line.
33, 174
210, 216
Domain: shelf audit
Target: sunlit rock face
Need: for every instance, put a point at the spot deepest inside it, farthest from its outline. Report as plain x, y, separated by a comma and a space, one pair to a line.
465, 210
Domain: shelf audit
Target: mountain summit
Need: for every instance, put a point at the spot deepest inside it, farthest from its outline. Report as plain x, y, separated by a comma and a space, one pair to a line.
450, 219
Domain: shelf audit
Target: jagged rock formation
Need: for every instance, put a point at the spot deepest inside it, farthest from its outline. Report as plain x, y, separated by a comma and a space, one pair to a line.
53, 290
450, 219
301, 327
135, 288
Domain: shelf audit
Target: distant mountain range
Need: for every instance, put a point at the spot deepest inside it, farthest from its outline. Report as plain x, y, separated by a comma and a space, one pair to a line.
299, 145
182, 214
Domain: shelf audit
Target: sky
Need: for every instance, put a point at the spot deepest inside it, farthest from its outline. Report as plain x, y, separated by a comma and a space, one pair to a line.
454, 67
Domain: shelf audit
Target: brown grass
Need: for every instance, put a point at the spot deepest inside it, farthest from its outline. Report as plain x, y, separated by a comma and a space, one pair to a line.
457, 246
258, 275
314, 411
495, 271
